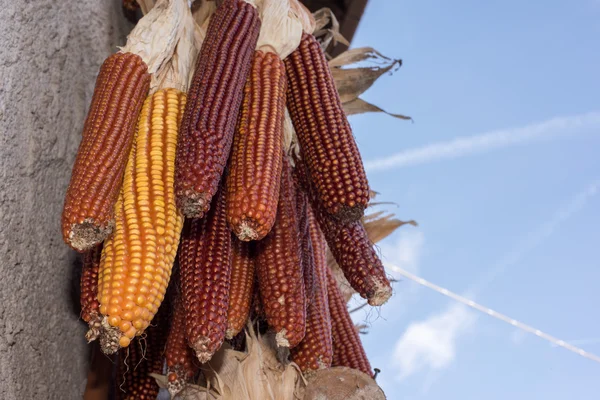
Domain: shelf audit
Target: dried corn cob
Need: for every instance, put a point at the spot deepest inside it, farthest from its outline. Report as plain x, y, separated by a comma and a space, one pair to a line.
307, 255
351, 248
205, 262
143, 357
181, 360
255, 162
89, 290
315, 350
108, 132
137, 259
279, 270
348, 350
242, 285
215, 97
324, 133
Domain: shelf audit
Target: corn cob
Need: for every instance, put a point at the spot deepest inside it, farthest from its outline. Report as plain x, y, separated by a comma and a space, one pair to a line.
307, 255
205, 262
142, 358
255, 162
279, 270
348, 350
137, 259
215, 97
88, 214
242, 286
351, 248
181, 360
89, 291
324, 133
315, 350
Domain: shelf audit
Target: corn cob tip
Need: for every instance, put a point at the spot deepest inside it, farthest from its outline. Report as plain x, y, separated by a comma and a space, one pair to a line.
110, 338
202, 349
230, 332
246, 231
381, 294
87, 234
281, 338
176, 380
192, 204
349, 213
95, 326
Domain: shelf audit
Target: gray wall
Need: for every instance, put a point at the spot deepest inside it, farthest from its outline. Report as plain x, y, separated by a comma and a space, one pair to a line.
50, 52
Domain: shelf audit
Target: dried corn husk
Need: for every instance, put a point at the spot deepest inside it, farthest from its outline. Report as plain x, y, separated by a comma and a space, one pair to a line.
280, 29
253, 375
341, 383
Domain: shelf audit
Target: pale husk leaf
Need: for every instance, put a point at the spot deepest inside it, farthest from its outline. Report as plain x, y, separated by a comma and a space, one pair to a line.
253, 375
155, 36
360, 106
202, 16
146, 5
305, 16
280, 30
342, 383
323, 17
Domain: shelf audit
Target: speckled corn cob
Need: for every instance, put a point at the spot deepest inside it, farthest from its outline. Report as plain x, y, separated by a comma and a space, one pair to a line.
205, 262
325, 136
181, 361
214, 101
88, 214
143, 357
315, 350
279, 270
90, 307
348, 350
255, 162
138, 257
242, 286
351, 248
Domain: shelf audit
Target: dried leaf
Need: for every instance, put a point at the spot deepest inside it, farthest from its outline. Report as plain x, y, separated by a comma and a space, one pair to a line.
359, 106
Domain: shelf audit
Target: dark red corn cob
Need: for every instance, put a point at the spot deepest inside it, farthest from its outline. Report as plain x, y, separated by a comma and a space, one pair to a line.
315, 350
182, 364
348, 350
279, 270
213, 104
243, 265
90, 306
325, 136
306, 254
121, 87
255, 162
205, 268
351, 248
142, 358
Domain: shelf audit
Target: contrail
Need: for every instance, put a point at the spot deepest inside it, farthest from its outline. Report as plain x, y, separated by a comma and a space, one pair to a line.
463, 146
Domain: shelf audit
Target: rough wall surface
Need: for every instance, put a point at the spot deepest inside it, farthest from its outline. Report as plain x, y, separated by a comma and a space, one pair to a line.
50, 52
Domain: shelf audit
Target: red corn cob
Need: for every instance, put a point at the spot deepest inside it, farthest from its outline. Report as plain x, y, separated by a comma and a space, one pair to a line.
325, 136
348, 350
315, 350
255, 162
181, 360
88, 215
90, 307
205, 267
242, 286
351, 248
213, 104
279, 270
307, 256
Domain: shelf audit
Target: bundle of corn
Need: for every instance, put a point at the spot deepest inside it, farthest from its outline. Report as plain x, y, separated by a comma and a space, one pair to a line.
256, 170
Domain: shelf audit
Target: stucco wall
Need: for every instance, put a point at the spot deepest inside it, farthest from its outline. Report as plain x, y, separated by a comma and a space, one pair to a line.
50, 52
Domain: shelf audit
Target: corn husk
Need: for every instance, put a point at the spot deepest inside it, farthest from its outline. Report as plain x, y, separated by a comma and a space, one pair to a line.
280, 30
305, 16
341, 383
255, 374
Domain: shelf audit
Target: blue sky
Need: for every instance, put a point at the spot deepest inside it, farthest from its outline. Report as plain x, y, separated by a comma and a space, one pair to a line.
501, 170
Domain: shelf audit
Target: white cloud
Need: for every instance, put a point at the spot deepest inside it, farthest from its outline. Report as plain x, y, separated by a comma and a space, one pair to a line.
487, 141
430, 344
405, 252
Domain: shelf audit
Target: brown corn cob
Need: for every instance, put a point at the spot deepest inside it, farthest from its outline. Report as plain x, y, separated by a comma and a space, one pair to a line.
315, 350
88, 214
351, 248
143, 357
243, 262
214, 101
138, 257
325, 136
205, 262
307, 255
279, 270
348, 350
255, 162
181, 360
90, 307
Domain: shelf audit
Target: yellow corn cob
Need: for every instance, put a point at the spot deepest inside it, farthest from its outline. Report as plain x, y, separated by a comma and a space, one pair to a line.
137, 259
